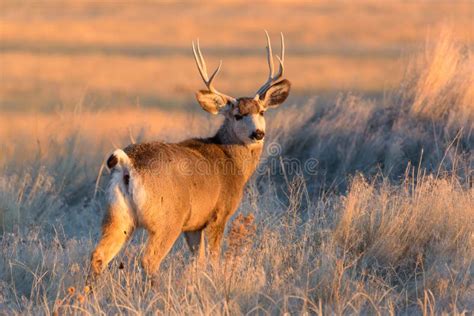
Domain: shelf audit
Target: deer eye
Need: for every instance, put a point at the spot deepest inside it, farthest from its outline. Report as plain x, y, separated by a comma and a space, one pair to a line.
238, 117
261, 113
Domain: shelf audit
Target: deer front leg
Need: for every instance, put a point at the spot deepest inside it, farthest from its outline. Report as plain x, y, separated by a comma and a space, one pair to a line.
215, 232
117, 228
158, 245
216, 227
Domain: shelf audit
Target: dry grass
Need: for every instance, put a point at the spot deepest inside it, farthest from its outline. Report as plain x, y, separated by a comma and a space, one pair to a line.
427, 122
382, 249
112, 129
444, 81
53, 53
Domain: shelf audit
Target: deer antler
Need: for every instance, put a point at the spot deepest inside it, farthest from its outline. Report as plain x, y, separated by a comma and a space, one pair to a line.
271, 77
201, 64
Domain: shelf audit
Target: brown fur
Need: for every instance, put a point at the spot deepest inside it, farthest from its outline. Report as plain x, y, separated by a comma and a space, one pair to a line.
248, 106
188, 177
191, 186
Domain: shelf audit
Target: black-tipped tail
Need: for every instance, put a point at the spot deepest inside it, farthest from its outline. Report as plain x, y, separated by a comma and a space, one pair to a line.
112, 161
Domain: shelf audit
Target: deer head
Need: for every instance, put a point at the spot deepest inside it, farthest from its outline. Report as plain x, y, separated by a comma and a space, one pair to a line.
244, 116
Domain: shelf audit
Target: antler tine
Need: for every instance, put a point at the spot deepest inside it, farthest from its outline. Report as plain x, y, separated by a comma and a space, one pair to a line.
271, 77
282, 59
201, 59
215, 73
282, 43
271, 67
281, 70
201, 65
197, 58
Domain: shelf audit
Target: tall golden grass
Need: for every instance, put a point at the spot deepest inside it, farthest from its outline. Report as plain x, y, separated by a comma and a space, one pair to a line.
444, 81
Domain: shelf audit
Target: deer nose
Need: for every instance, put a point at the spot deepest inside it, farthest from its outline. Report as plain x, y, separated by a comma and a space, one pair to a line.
257, 135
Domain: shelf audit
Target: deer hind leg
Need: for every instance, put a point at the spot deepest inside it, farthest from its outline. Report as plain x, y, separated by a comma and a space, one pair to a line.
117, 228
159, 243
196, 244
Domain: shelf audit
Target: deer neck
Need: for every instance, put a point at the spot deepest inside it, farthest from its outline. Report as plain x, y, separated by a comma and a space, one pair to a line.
226, 136
246, 156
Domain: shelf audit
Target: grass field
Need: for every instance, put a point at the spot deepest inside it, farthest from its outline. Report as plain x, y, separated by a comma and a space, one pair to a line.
383, 102
54, 54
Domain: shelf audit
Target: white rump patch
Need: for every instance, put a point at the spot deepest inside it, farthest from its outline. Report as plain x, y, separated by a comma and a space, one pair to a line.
123, 159
131, 196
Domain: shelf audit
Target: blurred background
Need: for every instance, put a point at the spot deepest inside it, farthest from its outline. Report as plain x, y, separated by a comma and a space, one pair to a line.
108, 54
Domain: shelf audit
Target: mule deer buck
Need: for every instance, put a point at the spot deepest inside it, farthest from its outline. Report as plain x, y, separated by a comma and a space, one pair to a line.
193, 186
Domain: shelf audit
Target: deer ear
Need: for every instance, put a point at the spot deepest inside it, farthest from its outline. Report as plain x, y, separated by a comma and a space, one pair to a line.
210, 102
276, 94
